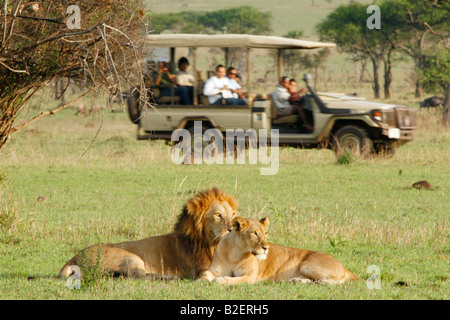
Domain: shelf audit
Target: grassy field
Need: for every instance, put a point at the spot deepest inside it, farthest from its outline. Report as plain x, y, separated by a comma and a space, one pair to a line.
99, 184
67, 182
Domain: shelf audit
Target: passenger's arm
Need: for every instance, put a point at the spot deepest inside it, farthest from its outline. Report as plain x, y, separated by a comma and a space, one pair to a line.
210, 89
158, 79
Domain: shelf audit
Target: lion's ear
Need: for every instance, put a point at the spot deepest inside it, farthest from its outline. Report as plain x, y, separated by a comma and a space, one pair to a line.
264, 222
239, 223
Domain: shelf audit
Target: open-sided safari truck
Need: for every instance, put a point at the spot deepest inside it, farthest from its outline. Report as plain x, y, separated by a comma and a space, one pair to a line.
343, 123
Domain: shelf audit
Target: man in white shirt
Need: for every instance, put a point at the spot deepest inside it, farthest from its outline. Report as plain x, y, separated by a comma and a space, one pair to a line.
217, 87
282, 100
281, 97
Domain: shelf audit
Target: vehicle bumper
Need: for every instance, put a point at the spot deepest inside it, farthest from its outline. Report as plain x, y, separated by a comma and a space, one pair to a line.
399, 134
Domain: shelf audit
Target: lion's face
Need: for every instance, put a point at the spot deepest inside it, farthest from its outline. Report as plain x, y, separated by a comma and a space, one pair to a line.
251, 236
218, 218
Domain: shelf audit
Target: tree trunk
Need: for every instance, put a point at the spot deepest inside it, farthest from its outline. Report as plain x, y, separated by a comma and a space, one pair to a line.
418, 85
376, 78
387, 84
60, 89
447, 106
387, 75
418, 60
316, 75
418, 90
362, 75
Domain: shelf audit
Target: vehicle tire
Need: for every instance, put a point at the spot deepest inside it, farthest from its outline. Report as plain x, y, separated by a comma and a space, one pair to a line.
198, 141
133, 106
384, 150
352, 140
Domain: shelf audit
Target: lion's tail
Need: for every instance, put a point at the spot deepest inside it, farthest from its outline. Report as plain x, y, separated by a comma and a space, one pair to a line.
68, 268
350, 276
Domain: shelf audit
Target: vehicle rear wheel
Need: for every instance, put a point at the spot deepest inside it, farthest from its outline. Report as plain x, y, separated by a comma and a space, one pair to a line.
352, 140
133, 106
198, 143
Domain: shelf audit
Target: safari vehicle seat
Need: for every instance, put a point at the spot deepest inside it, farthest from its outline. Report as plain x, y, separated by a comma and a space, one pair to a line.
202, 99
158, 98
281, 120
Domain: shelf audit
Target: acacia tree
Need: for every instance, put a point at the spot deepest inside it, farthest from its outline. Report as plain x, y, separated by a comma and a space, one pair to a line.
405, 29
420, 20
297, 61
346, 26
38, 44
438, 75
292, 58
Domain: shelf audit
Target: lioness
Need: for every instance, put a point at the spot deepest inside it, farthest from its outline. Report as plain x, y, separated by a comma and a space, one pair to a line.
244, 255
186, 252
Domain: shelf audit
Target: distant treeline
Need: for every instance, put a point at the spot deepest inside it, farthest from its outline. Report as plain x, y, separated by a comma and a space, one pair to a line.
243, 19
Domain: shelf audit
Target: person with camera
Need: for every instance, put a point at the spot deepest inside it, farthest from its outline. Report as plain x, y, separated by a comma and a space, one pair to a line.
167, 81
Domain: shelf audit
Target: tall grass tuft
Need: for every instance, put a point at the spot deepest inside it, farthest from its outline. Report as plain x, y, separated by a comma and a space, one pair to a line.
9, 215
90, 264
344, 158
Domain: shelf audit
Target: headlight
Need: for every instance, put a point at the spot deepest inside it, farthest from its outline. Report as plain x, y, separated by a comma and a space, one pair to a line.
377, 115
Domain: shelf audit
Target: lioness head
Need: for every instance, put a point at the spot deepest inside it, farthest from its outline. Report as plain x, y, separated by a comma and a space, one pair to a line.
251, 236
207, 217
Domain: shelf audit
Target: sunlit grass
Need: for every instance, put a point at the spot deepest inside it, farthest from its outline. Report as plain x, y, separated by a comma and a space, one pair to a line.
105, 186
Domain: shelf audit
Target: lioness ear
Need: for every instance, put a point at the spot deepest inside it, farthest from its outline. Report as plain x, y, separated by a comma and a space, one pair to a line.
264, 222
239, 223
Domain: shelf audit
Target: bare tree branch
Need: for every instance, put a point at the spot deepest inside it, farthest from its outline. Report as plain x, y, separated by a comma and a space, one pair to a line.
442, 36
50, 112
37, 18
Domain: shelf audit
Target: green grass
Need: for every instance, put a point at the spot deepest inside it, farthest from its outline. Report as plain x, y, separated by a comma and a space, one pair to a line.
363, 213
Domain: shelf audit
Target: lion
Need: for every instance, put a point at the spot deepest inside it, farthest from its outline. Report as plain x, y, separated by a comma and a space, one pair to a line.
244, 255
184, 253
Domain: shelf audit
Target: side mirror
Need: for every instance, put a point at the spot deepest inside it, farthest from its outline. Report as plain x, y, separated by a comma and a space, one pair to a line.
307, 77
323, 108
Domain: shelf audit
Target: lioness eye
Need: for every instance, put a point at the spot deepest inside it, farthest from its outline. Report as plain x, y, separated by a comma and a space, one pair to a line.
218, 215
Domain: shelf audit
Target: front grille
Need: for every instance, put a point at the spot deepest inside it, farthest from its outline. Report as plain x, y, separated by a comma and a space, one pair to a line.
406, 118
402, 118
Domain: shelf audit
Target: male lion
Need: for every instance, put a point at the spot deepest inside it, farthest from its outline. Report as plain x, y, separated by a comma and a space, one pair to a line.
243, 255
186, 252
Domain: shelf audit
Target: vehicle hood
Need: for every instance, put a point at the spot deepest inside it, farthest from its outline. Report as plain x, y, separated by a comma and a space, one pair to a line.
342, 101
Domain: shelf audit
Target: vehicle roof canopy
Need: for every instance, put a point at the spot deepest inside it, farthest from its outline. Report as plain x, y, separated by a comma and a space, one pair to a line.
232, 41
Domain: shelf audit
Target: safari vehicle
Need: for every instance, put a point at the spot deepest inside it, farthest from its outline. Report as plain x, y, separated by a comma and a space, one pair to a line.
340, 122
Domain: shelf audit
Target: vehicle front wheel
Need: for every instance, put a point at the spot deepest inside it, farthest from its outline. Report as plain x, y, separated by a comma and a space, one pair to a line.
352, 140
384, 150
